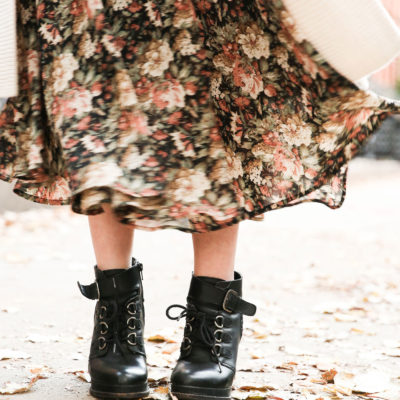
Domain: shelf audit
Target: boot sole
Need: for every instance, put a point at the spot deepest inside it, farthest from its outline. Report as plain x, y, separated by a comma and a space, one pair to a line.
119, 391
199, 393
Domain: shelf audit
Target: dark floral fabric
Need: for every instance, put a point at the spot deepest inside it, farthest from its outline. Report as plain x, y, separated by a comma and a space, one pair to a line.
186, 114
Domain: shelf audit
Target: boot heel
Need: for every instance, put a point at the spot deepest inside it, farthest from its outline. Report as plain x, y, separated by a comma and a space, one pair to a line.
199, 393
119, 391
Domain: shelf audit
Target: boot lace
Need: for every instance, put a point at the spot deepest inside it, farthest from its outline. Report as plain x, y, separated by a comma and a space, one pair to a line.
118, 324
208, 332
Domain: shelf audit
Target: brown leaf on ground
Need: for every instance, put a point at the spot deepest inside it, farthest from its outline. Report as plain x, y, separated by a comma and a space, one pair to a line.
329, 375
256, 388
337, 390
289, 366
320, 381
25, 386
171, 349
160, 393
160, 339
36, 338
41, 371
83, 375
367, 382
259, 335
162, 389
9, 310
14, 387
393, 353
153, 383
7, 354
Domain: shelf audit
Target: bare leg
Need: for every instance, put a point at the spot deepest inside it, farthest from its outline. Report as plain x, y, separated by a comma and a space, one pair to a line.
112, 241
214, 252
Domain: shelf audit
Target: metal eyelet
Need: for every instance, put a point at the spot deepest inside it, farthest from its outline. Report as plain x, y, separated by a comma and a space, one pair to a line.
134, 323
221, 324
189, 345
129, 339
128, 307
189, 327
102, 345
102, 314
102, 323
218, 340
190, 319
217, 353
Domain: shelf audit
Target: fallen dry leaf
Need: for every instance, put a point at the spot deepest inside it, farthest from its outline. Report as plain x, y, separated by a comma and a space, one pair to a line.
7, 354
259, 335
368, 382
289, 366
160, 393
156, 359
9, 310
256, 388
158, 382
392, 353
36, 338
159, 339
83, 375
329, 376
23, 387
40, 371
171, 349
14, 388
341, 317
337, 390
161, 389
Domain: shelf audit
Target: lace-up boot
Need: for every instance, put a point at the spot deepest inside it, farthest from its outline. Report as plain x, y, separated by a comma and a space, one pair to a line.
214, 323
117, 359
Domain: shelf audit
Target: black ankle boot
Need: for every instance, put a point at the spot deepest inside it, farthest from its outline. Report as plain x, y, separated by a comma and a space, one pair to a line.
214, 323
117, 360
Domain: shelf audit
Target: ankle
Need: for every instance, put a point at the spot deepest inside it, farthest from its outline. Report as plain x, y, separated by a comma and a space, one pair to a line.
113, 267
214, 274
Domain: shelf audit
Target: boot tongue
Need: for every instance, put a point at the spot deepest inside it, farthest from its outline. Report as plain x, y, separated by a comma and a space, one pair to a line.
111, 273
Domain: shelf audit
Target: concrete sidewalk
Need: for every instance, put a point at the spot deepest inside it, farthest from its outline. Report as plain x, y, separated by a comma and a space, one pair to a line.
327, 286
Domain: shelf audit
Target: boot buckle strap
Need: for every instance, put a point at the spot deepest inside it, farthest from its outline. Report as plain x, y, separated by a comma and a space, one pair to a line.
234, 303
97, 289
91, 292
230, 294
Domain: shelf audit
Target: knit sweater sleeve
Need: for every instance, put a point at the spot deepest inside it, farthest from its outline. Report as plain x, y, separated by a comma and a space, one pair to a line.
357, 37
8, 52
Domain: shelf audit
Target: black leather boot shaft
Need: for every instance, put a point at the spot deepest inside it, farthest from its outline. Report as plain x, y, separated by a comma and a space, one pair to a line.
117, 359
214, 323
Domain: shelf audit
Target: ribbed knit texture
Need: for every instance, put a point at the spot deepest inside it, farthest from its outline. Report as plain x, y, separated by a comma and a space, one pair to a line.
357, 37
8, 53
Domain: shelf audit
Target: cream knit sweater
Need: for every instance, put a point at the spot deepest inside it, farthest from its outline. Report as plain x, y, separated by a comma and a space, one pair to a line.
357, 37
8, 52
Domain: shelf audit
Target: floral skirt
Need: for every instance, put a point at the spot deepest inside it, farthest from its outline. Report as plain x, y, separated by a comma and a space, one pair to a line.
185, 114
